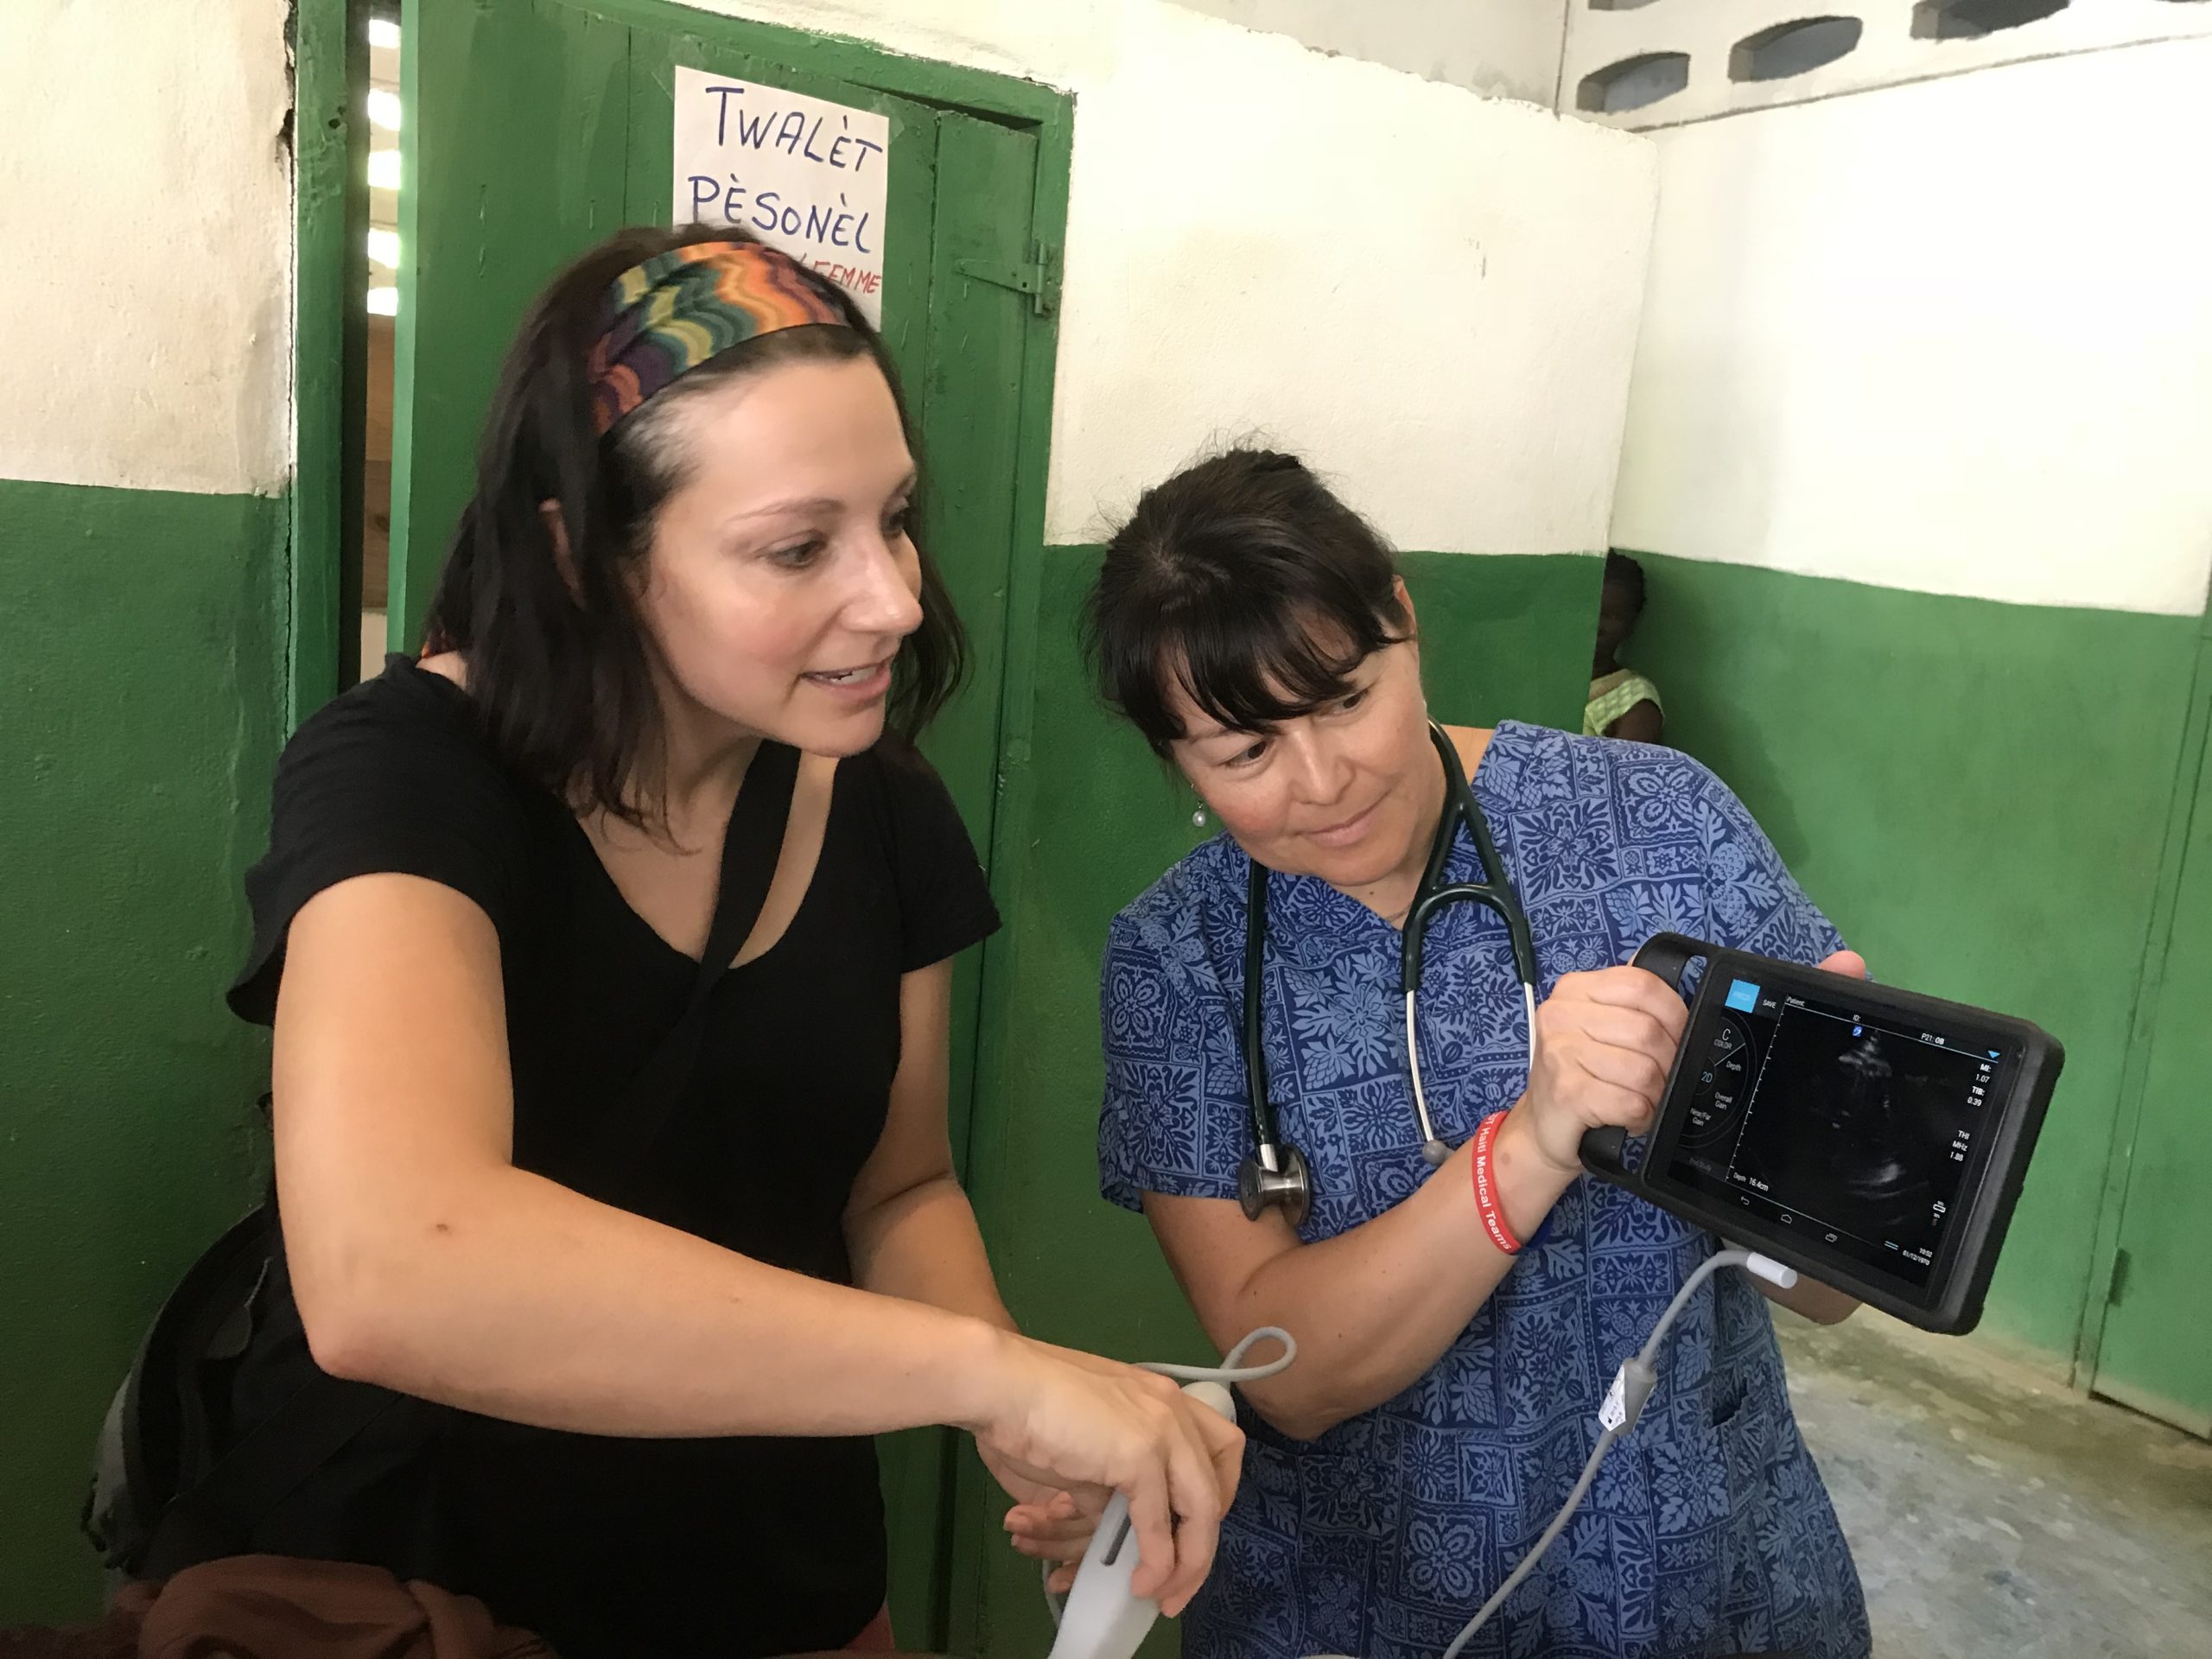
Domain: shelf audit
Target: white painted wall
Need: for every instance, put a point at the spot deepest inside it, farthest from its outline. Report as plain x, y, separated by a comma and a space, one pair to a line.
1887, 55
1954, 337
1432, 295
1059, 42
1501, 49
145, 211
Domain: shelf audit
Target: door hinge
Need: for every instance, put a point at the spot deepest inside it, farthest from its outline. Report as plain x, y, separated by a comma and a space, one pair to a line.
1035, 277
2118, 1288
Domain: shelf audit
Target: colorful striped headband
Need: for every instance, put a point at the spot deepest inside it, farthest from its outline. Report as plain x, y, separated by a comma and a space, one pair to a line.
667, 316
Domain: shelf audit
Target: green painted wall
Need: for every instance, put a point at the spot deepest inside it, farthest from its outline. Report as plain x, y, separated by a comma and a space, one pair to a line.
1976, 793
1094, 821
141, 671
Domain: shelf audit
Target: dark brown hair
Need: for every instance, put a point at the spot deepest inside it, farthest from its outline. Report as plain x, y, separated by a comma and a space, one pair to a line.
1623, 572
1243, 579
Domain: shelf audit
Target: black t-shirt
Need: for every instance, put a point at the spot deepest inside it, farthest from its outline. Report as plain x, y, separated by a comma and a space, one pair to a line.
619, 1547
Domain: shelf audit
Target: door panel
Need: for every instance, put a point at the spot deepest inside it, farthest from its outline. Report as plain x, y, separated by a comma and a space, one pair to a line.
515, 149
967, 401
2156, 1350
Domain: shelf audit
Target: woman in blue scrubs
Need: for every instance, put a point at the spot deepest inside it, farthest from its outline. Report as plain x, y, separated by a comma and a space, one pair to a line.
1443, 1402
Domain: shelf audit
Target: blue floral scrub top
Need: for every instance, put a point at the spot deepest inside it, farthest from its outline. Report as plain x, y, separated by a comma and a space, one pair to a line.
1708, 1531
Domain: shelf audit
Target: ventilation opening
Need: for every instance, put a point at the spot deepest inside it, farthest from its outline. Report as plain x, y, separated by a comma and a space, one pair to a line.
1796, 49
1969, 20
1633, 83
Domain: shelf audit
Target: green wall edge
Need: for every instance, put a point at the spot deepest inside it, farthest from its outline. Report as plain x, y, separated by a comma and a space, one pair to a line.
145, 685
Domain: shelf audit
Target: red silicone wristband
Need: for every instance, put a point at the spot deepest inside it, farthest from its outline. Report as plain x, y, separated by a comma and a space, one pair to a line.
1486, 1199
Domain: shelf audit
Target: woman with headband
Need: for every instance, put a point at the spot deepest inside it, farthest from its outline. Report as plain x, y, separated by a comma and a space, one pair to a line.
639, 1313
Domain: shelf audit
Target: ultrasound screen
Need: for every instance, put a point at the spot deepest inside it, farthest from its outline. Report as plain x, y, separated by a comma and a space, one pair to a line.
1852, 1129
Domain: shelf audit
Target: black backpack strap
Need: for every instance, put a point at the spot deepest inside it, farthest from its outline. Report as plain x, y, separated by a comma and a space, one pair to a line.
208, 1320
161, 1429
215, 1517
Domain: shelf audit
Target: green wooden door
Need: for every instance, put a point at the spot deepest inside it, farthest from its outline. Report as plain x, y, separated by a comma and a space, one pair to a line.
514, 158
2155, 1352
536, 127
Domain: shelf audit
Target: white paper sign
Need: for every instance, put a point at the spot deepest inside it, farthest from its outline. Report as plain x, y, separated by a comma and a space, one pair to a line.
802, 173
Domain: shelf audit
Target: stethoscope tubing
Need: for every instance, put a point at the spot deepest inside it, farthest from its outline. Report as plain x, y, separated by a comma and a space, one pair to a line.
1494, 892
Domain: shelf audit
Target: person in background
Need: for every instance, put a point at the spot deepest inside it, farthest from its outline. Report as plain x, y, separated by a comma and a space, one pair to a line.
1622, 702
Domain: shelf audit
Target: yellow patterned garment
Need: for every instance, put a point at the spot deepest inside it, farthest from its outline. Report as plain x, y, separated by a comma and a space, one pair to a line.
1614, 695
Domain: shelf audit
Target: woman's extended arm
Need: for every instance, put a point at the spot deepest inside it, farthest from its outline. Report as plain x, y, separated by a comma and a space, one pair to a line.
424, 1260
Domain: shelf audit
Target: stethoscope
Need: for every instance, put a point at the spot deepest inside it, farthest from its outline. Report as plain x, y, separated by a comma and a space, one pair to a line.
1277, 1175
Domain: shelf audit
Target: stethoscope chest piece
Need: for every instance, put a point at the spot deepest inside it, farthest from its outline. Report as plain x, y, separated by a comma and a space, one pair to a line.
1289, 1187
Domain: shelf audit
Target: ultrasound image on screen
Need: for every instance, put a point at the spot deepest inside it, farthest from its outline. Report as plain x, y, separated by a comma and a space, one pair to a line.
1850, 1129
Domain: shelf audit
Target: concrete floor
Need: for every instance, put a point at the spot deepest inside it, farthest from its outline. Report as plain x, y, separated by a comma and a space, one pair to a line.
1996, 1516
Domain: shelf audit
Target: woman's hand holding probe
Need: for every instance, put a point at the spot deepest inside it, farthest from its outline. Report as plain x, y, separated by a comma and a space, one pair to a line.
1069, 1422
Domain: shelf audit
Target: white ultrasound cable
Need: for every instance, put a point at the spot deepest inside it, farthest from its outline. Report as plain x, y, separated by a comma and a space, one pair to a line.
1232, 1367
1623, 1404
1632, 1386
